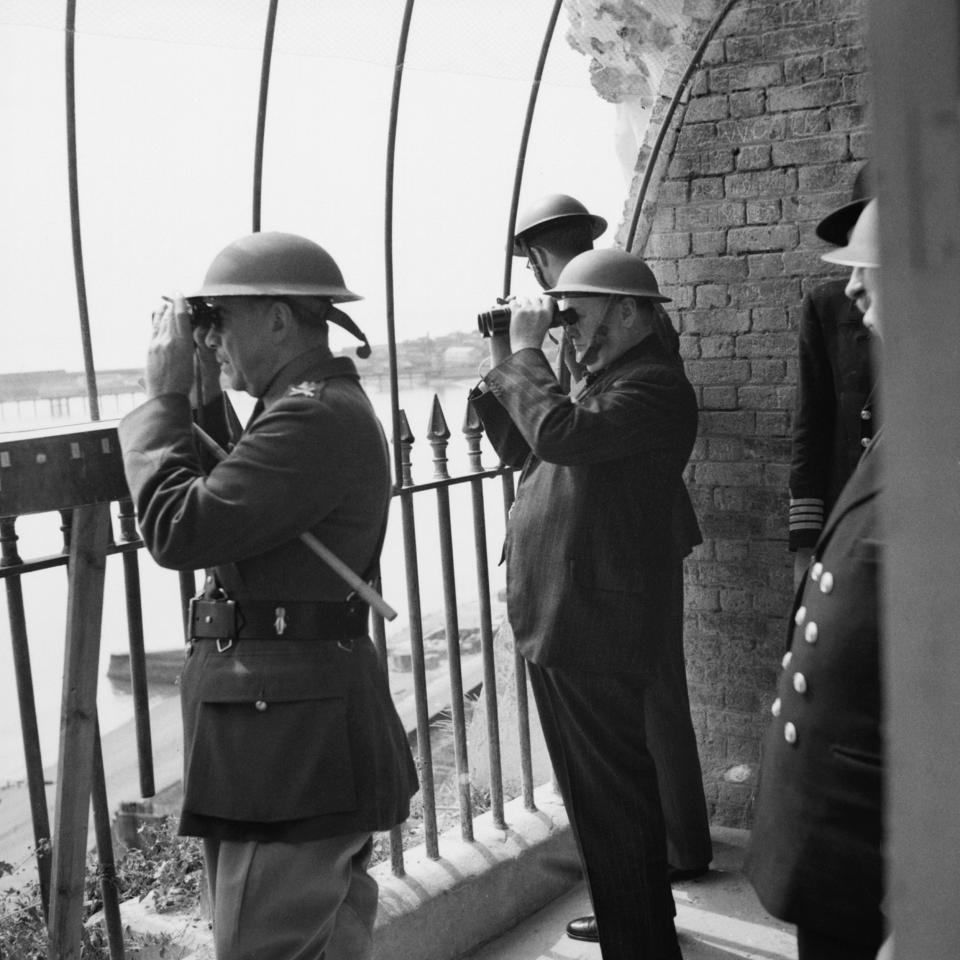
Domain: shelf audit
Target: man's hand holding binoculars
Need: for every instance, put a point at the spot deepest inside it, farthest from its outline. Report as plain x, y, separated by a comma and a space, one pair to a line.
176, 341
530, 319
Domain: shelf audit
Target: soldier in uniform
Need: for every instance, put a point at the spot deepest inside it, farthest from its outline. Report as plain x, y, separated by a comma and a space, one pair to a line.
835, 415
550, 232
293, 751
816, 850
595, 566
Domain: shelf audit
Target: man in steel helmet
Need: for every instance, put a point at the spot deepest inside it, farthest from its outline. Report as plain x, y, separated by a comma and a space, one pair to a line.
594, 565
293, 750
816, 850
550, 232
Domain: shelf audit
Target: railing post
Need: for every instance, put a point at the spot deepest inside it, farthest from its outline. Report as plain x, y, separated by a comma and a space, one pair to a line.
473, 431
138, 657
424, 752
439, 435
108, 871
28, 707
88, 549
520, 670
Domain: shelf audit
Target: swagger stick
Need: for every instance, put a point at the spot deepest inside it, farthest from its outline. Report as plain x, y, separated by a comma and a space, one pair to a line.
324, 553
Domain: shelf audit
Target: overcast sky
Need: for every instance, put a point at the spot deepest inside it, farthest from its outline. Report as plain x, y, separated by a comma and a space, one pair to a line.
166, 117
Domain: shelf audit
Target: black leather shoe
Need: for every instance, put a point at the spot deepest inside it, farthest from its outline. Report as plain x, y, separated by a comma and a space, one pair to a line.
583, 928
679, 874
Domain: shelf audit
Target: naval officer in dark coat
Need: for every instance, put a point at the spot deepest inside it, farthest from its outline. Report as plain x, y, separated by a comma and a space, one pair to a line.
594, 564
816, 850
293, 750
835, 415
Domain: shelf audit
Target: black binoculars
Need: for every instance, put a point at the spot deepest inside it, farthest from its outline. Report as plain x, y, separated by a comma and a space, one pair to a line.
497, 321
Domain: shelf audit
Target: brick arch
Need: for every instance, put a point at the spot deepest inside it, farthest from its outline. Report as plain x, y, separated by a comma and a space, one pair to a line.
771, 139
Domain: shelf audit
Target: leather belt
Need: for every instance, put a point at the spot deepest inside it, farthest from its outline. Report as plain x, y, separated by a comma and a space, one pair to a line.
228, 620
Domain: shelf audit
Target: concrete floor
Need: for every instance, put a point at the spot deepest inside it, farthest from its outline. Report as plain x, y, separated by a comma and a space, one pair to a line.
718, 918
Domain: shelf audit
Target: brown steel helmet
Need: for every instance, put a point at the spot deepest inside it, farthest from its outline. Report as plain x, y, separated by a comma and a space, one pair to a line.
280, 264
552, 209
612, 272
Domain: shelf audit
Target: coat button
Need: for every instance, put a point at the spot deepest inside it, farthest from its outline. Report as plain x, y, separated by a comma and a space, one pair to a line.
826, 582
775, 707
799, 683
785, 662
865, 442
261, 705
810, 632
789, 732
866, 415
800, 616
816, 570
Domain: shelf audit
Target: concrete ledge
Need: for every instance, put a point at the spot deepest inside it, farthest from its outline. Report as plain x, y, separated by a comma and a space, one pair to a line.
476, 891
440, 909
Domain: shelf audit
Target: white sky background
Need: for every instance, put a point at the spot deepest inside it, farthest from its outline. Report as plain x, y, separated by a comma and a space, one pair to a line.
166, 119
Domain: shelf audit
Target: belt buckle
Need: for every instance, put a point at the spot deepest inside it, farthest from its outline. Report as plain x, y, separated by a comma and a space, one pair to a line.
224, 644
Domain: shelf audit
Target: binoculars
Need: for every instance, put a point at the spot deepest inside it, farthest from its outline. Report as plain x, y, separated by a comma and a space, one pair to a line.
497, 320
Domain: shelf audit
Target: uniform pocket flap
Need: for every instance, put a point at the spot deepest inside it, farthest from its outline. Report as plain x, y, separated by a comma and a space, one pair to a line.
251, 676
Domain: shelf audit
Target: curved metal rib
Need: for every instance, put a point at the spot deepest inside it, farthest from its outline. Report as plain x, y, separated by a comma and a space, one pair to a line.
70, 60
524, 139
388, 238
668, 117
262, 113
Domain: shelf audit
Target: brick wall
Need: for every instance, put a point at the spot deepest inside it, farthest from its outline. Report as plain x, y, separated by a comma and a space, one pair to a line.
770, 140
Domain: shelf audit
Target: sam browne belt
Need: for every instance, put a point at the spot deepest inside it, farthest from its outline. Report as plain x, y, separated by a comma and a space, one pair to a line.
227, 620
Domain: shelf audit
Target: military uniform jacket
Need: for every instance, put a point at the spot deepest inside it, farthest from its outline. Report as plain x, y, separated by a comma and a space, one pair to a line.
834, 416
283, 739
593, 536
816, 846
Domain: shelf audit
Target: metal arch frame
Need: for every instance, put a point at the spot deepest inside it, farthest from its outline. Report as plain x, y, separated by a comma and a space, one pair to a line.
668, 118
74, 189
262, 112
524, 140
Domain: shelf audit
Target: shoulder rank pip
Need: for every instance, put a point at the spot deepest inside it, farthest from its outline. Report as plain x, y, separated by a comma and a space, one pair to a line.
305, 389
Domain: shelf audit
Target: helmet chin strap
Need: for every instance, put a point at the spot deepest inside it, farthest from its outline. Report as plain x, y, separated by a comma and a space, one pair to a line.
599, 337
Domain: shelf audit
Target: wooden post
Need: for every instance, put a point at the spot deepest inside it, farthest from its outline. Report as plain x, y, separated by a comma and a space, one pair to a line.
915, 52
78, 723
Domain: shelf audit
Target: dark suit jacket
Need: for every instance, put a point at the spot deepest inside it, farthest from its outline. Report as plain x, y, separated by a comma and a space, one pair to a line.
593, 537
283, 739
834, 383
816, 855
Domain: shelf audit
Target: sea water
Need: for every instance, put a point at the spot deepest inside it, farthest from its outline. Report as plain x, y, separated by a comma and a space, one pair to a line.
45, 592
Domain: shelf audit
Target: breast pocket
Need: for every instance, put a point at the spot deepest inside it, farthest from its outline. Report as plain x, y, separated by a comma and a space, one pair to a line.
269, 741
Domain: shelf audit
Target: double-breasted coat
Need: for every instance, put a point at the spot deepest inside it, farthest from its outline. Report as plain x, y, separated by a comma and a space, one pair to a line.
834, 416
285, 739
816, 854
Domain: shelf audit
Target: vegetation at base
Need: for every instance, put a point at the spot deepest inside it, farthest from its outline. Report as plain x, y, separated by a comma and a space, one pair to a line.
168, 866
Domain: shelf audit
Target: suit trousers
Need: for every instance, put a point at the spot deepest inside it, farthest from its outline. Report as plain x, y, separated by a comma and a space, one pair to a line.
593, 725
814, 945
673, 745
292, 901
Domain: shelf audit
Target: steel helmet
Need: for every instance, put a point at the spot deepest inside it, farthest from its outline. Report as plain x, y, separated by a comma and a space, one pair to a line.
863, 247
282, 264
551, 209
614, 272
